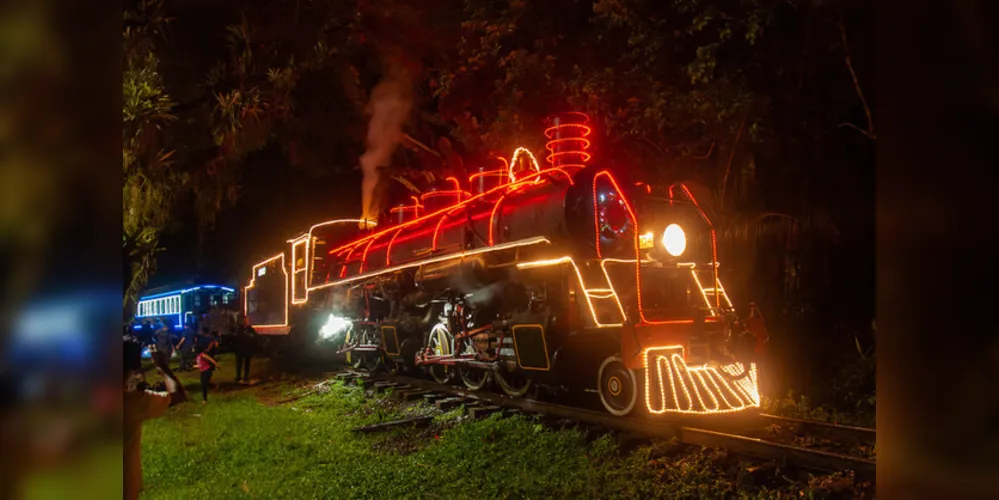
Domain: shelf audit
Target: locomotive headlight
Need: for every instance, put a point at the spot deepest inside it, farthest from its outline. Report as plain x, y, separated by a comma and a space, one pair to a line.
334, 326
674, 240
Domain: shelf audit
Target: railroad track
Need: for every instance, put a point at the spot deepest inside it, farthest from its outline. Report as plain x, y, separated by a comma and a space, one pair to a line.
481, 403
861, 434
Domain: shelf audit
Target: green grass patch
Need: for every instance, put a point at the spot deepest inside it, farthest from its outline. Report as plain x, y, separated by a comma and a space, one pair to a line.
238, 446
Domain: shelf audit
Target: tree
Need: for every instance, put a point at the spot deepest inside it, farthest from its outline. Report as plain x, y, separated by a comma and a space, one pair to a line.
150, 186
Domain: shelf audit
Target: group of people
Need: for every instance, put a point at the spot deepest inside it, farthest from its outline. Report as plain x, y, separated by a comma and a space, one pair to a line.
198, 349
142, 403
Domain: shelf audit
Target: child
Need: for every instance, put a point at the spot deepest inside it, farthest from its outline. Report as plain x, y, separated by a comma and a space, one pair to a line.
207, 366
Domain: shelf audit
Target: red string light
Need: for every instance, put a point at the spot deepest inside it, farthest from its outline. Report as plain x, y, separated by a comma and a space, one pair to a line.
567, 143
425, 217
343, 270
388, 251
487, 173
364, 257
492, 218
596, 214
638, 260
433, 246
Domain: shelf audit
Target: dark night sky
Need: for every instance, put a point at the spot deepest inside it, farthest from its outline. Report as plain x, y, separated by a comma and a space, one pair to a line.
277, 202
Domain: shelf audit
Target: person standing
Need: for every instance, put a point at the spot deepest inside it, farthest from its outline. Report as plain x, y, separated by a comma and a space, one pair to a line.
204, 342
244, 347
207, 365
141, 404
186, 349
164, 341
146, 333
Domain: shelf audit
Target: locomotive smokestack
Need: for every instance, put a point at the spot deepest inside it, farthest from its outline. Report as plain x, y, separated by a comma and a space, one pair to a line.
391, 101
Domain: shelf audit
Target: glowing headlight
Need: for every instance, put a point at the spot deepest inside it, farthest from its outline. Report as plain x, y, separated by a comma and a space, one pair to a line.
334, 326
674, 240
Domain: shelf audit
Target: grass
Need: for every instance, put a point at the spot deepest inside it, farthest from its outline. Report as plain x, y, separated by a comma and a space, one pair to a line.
243, 445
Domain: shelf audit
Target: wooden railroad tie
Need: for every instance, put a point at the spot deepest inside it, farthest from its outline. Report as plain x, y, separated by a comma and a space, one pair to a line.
483, 411
433, 397
384, 426
382, 386
413, 394
448, 403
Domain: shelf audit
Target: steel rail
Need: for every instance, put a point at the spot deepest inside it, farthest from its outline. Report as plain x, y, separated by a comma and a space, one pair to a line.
743, 445
862, 434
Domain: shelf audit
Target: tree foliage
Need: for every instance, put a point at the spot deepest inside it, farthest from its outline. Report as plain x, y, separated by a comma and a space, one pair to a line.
756, 103
151, 185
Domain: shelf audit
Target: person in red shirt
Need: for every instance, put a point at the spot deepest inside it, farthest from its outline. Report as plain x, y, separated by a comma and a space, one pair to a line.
207, 367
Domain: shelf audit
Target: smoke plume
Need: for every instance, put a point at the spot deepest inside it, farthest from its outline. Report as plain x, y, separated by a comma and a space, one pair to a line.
391, 101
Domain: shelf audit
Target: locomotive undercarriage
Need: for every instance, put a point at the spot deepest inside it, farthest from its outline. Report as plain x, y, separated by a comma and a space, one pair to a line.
498, 331
513, 327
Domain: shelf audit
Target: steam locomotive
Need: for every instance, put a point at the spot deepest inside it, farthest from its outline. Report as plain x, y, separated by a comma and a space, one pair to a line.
561, 276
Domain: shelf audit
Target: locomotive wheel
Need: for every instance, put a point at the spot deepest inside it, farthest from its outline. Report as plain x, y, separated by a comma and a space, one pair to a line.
352, 358
618, 386
440, 373
369, 361
440, 344
392, 366
513, 384
473, 378
408, 349
355, 360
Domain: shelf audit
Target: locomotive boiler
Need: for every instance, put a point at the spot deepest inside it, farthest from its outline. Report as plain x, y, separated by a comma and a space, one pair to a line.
563, 276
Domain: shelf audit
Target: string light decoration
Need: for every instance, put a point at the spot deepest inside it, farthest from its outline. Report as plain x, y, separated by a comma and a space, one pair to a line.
619, 198
364, 257
492, 220
714, 242
588, 293
638, 265
514, 162
468, 253
295, 243
717, 290
405, 210
457, 187
705, 389
567, 143
506, 187
308, 246
437, 230
388, 250
603, 267
252, 284
489, 178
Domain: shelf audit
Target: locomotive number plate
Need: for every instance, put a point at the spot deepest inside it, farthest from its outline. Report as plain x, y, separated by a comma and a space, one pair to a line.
646, 241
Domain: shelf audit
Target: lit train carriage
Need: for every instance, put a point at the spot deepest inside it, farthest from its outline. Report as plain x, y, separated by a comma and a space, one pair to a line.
182, 306
561, 276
